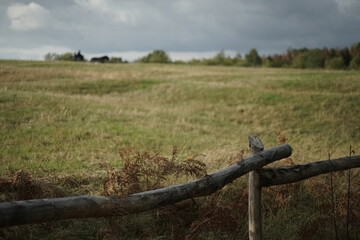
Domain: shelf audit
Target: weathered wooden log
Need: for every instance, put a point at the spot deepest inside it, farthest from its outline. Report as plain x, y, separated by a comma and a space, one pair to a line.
43, 210
255, 228
290, 174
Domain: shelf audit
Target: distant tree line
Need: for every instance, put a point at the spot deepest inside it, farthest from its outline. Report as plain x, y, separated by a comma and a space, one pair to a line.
333, 58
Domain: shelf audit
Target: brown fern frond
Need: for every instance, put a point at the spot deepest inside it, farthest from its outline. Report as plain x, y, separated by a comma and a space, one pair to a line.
147, 170
310, 229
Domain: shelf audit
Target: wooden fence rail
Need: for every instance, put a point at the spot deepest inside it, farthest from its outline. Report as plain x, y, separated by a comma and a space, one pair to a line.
285, 175
42, 210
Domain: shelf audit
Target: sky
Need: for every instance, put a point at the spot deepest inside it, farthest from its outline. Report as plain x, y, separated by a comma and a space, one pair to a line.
185, 29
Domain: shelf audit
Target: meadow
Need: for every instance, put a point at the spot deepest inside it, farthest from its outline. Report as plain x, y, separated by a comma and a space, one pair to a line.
64, 123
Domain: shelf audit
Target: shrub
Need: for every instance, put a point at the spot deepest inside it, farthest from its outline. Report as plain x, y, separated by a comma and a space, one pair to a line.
355, 49
314, 59
115, 60
300, 61
355, 63
335, 63
309, 59
180, 62
237, 60
220, 59
346, 56
274, 61
252, 58
51, 56
65, 57
195, 62
157, 56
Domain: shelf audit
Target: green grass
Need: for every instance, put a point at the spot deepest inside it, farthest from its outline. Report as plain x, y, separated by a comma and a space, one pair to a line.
70, 119
104, 86
47, 105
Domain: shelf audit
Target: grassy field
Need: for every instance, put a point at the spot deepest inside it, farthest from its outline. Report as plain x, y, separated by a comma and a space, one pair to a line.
64, 120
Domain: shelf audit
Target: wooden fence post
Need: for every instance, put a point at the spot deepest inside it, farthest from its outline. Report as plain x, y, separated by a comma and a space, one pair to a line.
255, 231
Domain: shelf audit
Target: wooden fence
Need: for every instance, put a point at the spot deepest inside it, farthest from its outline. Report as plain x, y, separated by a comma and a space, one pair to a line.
51, 209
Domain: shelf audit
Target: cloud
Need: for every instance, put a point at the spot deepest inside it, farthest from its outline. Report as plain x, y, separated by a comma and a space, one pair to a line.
349, 6
107, 9
181, 27
27, 17
36, 53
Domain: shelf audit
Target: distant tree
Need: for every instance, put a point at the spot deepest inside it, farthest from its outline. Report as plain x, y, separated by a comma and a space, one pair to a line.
228, 61
143, 59
252, 58
325, 54
334, 53
220, 58
65, 57
290, 55
275, 61
157, 56
314, 59
335, 63
300, 61
346, 56
355, 63
160, 56
355, 49
308, 59
179, 62
195, 61
51, 56
115, 60
267, 61
208, 61
237, 59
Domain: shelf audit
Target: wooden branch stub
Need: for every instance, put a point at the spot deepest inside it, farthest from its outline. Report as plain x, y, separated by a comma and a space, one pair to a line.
255, 144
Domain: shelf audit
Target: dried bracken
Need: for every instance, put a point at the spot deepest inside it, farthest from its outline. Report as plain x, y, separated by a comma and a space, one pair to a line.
281, 139
221, 215
144, 171
310, 229
23, 187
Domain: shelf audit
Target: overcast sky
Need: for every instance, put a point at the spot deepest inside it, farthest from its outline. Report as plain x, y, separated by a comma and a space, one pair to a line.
183, 28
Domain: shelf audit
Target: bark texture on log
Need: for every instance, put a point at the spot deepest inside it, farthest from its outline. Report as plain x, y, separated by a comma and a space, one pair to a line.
43, 210
290, 174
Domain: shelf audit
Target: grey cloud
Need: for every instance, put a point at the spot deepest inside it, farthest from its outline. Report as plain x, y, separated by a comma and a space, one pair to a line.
351, 7
27, 17
98, 26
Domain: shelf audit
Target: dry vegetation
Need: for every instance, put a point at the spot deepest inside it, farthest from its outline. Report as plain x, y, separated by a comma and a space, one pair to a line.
78, 128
